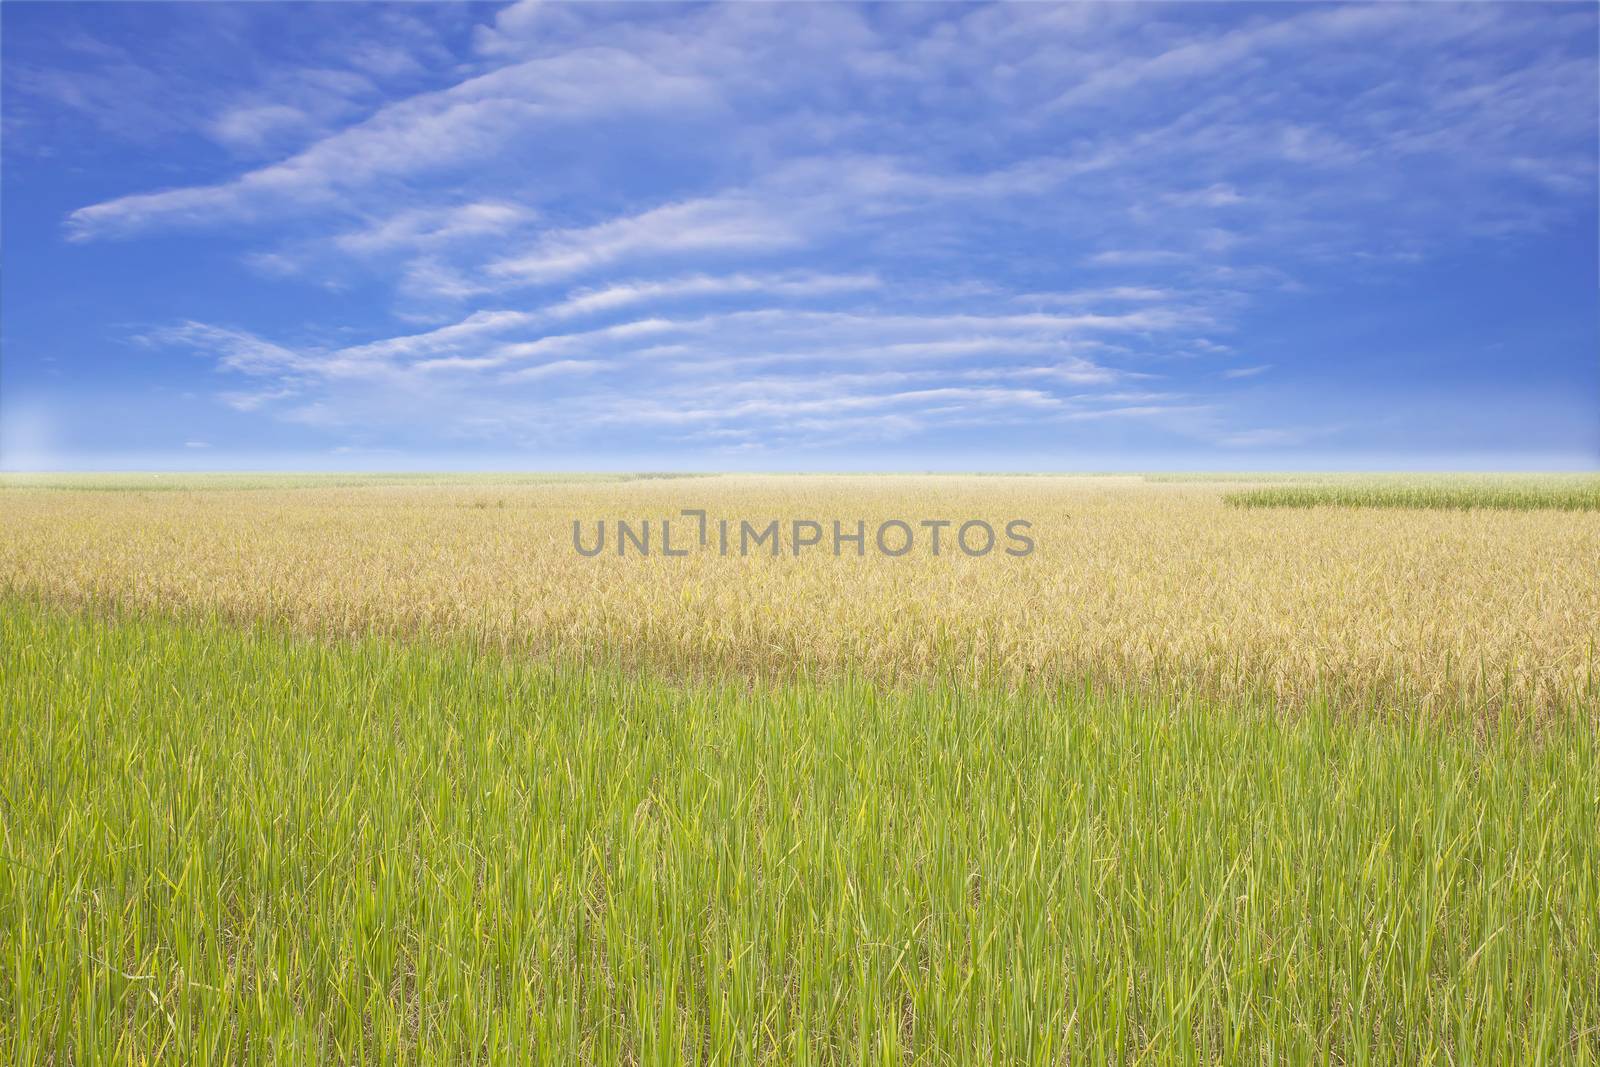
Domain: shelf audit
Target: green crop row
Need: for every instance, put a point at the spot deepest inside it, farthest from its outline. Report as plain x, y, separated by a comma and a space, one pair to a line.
234, 845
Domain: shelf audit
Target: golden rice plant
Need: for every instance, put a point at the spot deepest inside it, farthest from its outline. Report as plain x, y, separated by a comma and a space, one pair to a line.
1131, 583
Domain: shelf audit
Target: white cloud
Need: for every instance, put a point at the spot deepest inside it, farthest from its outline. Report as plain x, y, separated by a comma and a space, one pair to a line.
427, 227
1203, 54
478, 324
1263, 438
273, 264
710, 225
1221, 194
383, 60
255, 401
556, 368
428, 278
1107, 294
887, 219
624, 294
235, 350
472, 119
1138, 257
717, 341
515, 24
252, 127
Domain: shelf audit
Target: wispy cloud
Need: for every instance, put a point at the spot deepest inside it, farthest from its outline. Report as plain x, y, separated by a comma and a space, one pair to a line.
626, 294
740, 223
710, 225
428, 227
234, 350
557, 367
255, 126
470, 120
1264, 438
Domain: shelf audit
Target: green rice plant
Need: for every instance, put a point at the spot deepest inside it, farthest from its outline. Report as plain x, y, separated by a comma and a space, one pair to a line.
1577, 493
225, 844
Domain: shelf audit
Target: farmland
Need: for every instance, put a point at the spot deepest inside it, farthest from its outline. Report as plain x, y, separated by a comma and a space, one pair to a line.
1571, 493
1132, 583
384, 770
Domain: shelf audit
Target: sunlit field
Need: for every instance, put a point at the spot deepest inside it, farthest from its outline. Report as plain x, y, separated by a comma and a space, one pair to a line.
334, 769
1131, 583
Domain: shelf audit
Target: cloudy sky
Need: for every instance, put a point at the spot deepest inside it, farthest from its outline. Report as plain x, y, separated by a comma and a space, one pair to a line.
657, 236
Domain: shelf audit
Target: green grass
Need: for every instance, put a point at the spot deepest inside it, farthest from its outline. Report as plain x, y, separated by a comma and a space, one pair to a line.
1548, 492
225, 845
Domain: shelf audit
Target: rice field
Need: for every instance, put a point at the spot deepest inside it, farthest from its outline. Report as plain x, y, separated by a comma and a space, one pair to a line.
386, 771
1131, 583
1578, 493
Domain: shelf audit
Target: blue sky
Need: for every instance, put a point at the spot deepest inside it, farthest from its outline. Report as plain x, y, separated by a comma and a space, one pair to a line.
799, 237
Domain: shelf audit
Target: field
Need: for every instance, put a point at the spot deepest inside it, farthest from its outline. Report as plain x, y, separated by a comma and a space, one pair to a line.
385, 771
1572, 493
